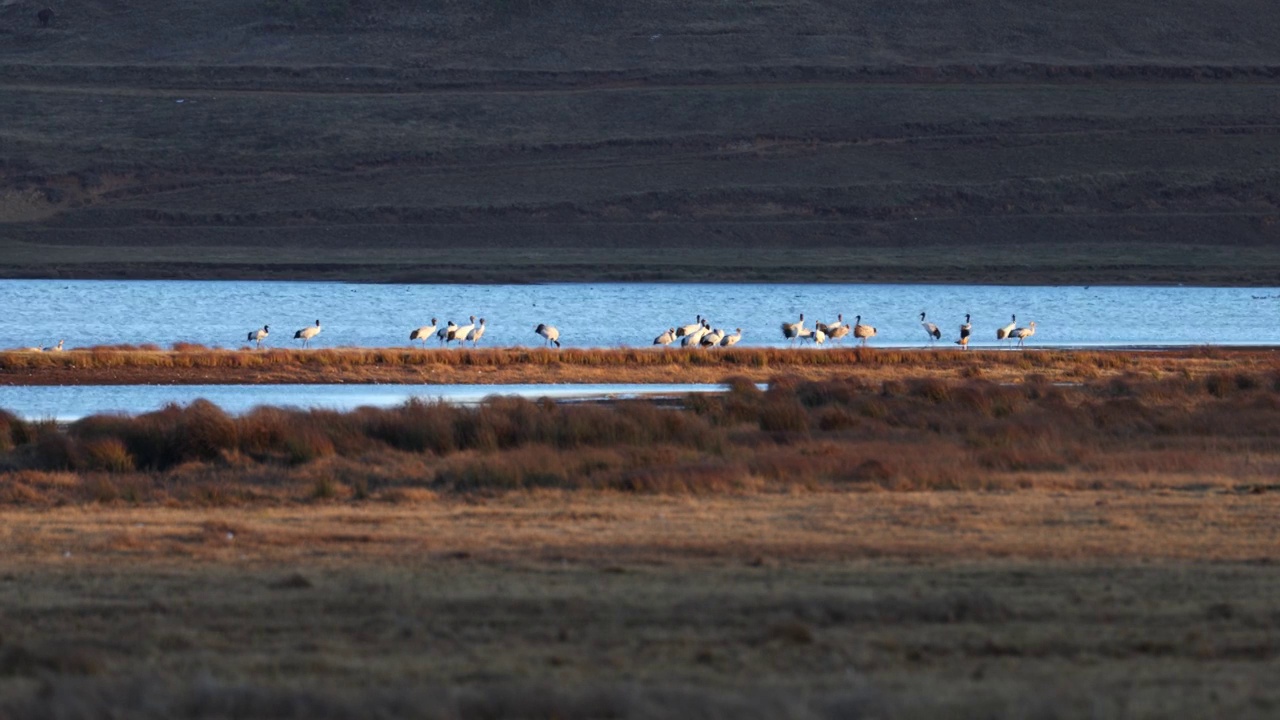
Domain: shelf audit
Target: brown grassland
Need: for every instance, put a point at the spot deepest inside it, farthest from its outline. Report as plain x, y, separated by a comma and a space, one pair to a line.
196, 364
908, 547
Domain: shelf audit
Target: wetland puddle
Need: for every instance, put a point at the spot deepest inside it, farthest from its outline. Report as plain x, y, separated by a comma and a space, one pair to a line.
72, 402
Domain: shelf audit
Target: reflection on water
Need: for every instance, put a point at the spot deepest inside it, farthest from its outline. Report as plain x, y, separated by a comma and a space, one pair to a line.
220, 314
66, 403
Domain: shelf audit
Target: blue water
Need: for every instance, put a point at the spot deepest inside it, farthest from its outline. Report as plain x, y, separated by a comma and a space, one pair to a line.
71, 402
221, 313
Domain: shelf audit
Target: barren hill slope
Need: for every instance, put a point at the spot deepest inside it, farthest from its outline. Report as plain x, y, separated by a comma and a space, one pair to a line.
537, 139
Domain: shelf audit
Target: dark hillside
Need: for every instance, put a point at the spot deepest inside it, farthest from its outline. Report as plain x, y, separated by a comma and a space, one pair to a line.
539, 139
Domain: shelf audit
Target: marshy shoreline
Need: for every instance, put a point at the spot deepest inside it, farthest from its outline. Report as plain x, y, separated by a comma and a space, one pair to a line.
916, 535
198, 365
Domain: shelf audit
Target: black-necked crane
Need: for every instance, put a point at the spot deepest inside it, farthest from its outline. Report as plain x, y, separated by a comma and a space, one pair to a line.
257, 336
54, 348
713, 338
829, 327
862, 332
423, 332
1005, 332
306, 333
31, 349
475, 335
731, 340
839, 332
930, 329
666, 338
818, 336
1023, 333
794, 330
965, 330
550, 333
694, 338
445, 333
689, 329
460, 333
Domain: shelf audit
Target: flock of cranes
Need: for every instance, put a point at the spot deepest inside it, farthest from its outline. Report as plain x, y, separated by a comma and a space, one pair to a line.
52, 348
838, 330
699, 334
305, 334
451, 332
694, 335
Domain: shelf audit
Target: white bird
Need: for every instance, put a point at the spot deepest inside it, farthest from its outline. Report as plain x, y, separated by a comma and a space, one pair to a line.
965, 329
475, 335
666, 338
794, 330
306, 333
461, 332
1023, 333
257, 336
688, 329
863, 332
446, 332
828, 327
713, 338
550, 333
55, 348
423, 332
930, 329
731, 340
818, 336
695, 337
1005, 332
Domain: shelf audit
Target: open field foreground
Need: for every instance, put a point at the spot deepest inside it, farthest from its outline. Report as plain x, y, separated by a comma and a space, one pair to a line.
1029, 604
913, 548
195, 364
534, 140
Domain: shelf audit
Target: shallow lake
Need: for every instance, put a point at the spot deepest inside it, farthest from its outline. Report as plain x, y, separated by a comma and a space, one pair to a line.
71, 402
221, 313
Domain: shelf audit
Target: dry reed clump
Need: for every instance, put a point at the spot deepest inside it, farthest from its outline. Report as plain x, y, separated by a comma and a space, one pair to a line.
13, 431
841, 433
970, 364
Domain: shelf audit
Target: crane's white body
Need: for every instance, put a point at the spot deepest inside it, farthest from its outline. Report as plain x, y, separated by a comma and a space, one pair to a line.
829, 328
965, 330
1023, 333
549, 332
930, 329
306, 333
862, 332
446, 332
461, 332
257, 336
1006, 332
689, 329
792, 331
475, 335
423, 332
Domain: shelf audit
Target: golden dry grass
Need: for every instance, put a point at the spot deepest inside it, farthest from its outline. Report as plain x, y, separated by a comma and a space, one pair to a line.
195, 364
